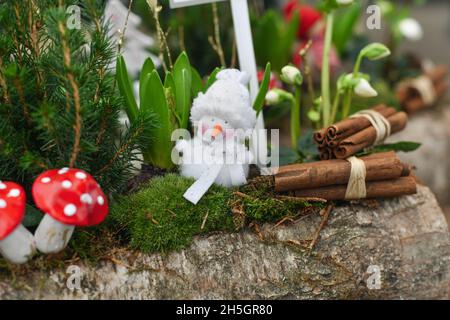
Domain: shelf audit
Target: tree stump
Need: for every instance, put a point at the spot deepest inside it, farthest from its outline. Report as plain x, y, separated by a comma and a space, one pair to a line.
431, 128
404, 241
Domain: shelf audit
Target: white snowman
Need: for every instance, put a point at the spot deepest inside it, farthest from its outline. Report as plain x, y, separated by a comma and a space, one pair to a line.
222, 118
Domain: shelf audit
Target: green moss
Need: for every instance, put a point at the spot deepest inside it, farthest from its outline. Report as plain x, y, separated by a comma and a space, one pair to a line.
158, 218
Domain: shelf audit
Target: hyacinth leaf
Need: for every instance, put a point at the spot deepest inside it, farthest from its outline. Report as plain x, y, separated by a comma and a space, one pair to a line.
182, 75
211, 79
260, 98
126, 89
146, 70
155, 102
197, 83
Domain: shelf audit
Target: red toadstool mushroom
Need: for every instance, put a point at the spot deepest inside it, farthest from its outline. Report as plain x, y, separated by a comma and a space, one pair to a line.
16, 242
70, 198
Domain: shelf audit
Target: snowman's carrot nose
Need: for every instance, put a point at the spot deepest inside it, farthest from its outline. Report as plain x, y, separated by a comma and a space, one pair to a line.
216, 130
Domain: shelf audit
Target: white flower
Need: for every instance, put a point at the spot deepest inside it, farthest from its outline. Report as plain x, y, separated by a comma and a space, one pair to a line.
273, 97
364, 89
344, 2
291, 75
411, 29
276, 96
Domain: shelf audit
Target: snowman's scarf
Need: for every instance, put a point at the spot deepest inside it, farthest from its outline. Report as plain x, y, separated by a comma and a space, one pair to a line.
206, 180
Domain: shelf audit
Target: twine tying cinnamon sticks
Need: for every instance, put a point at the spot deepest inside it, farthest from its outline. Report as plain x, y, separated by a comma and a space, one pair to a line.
424, 91
377, 175
379, 123
356, 187
362, 130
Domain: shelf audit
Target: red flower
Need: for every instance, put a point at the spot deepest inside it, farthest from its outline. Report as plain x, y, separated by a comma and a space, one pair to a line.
308, 17
274, 82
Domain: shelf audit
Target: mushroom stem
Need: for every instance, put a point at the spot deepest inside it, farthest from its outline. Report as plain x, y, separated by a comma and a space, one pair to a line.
19, 246
52, 236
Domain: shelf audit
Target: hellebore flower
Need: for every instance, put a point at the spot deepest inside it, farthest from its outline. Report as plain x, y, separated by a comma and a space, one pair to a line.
291, 75
309, 17
364, 89
411, 29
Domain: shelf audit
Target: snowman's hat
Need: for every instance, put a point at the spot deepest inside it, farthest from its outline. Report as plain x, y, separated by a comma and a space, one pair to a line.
228, 98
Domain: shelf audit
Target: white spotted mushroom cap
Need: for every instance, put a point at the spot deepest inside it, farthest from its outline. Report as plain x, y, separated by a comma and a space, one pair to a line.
70, 196
12, 207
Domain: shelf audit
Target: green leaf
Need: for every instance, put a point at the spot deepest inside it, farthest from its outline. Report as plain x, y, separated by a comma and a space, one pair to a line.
306, 145
288, 38
32, 216
182, 75
126, 89
288, 156
344, 25
211, 78
197, 83
402, 146
260, 98
146, 70
159, 153
169, 84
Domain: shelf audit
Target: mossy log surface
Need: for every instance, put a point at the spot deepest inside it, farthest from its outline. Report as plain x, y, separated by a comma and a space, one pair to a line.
407, 238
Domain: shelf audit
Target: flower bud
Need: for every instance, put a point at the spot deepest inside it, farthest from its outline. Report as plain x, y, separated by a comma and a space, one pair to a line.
291, 75
364, 89
375, 51
276, 96
411, 29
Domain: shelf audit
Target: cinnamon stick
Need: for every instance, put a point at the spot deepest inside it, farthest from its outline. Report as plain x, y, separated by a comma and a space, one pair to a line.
367, 137
375, 189
319, 137
347, 127
410, 98
380, 166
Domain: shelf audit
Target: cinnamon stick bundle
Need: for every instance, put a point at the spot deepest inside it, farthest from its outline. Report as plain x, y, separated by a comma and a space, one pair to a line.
367, 137
375, 189
352, 135
350, 126
412, 100
379, 166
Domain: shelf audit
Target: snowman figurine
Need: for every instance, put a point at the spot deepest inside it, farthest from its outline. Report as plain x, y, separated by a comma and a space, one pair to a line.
223, 118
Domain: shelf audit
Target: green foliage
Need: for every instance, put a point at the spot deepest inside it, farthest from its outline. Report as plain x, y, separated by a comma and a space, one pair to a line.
344, 25
264, 88
158, 218
274, 39
402, 146
58, 102
261, 205
169, 101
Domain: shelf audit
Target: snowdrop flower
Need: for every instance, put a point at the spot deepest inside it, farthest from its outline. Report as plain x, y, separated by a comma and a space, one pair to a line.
272, 97
276, 96
411, 29
364, 89
291, 75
